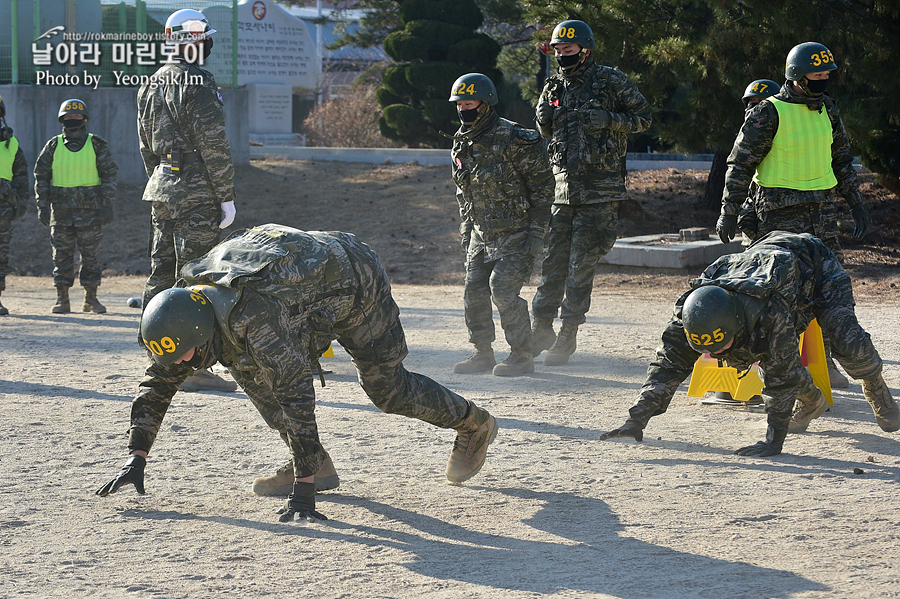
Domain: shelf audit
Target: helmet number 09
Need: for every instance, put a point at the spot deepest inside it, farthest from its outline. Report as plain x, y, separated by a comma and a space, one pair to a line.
716, 337
164, 345
820, 58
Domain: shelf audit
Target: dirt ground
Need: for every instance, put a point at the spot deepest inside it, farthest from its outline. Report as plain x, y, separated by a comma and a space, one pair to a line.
554, 513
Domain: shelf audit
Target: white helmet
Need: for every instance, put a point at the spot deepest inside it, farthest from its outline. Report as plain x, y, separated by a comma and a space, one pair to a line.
186, 26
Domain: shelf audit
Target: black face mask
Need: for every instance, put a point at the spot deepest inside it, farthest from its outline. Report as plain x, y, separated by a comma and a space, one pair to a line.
72, 126
817, 87
207, 47
468, 117
568, 63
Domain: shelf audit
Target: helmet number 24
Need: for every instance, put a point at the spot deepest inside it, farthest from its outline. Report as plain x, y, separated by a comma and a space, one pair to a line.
716, 337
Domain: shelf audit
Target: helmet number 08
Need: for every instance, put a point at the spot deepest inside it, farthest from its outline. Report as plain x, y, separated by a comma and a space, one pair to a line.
164, 345
717, 337
568, 32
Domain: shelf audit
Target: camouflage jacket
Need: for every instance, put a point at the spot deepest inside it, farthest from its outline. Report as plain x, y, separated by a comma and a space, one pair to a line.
595, 108
77, 198
754, 142
14, 192
778, 281
276, 293
504, 185
177, 112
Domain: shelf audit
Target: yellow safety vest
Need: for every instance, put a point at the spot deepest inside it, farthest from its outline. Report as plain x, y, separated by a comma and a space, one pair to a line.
75, 169
800, 157
7, 157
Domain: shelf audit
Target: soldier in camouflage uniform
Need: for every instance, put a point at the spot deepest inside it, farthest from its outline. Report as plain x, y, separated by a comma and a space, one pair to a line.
261, 303
751, 307
181, 126
794, 148
13, 192
75, 187
504, 187
585, 110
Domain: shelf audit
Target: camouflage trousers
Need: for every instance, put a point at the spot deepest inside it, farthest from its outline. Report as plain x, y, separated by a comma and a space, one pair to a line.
180, 234
499, 281
63, 239
579, 236
374, 338
5, 237
815, 218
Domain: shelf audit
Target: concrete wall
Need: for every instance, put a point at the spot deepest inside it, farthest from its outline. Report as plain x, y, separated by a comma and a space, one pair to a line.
32, 113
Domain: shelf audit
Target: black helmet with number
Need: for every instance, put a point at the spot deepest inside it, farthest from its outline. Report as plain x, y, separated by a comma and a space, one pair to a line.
574, 32
474, 86
176, 321
808, 57
761, 88
712, 316
72, 106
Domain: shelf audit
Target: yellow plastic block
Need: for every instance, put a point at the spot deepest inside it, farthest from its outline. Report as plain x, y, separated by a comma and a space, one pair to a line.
709, 376
329, 353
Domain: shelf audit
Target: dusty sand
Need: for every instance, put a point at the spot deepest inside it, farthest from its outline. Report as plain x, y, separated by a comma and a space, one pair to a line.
554, 512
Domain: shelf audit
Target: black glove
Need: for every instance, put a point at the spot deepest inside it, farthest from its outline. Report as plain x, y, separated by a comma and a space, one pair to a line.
544, 112
726, 227
132, 473
861, 218
631, 428
533, 245
300, 504
44, 215
106, 214
598, 119
771, 446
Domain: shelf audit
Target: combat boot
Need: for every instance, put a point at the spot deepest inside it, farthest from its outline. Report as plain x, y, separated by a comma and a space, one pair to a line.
542, 335
3, 311
519, 362
564, 345
804, 413
282, 482
837, 380
62, 300
887, 414
481, 361
473, 436
91, 303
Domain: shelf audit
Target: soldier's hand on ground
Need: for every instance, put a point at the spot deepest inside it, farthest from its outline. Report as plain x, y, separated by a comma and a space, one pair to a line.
300, 505
544, 112
759, 450
861, 218
132, 473
534, 244
44, 216
106, 215
228, 214
726, 227
629, 429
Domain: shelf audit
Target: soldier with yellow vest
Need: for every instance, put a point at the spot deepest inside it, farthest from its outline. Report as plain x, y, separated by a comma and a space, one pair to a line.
75, 185
795, 149
13, 192
793, 145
